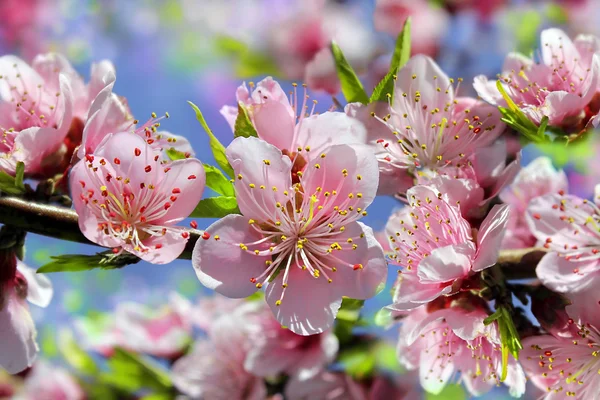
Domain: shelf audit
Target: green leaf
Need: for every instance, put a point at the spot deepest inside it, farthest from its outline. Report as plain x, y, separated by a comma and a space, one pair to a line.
216, 207
130, 372
358, 361
450, 392
400, 57
511, 343
243, 124
218, 182
8, 184
386, 358
74, 355
351, 86
350, 309
217, 148
248, 62
83, 262
175, 154
19, 174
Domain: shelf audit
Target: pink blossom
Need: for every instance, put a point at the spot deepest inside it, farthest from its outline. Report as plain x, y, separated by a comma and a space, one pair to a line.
275, 349
537, 179
210, 309
302, 137
127, 199
559, 86
296, 238
429, 22
36, 115
18, 347
446, 341
567, 365
50, 382
436, 248
326, 385
427, 128
215, 367
568, 226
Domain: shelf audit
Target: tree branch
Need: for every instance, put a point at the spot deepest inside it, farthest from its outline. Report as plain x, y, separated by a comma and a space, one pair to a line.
520, 263
57, 222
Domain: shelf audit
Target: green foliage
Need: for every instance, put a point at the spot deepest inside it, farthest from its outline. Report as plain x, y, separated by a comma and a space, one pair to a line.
243, 125
130, 373
358, 361
352, 88
450, 392
347, 318
217, 148
511, 343
248, 62
83, 262
74, 355
216, 207
13, 184
218, 182
399, 59
516, 119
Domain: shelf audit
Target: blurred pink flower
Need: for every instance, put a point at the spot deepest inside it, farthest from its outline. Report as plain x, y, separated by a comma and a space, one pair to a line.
326, 385
18, 283
436, 248
128, 199
429, 22
560, 86
567, 365
301, 137
568, 227
427, 127
537, 179
296, 238
50, 382
446, 341
36, 114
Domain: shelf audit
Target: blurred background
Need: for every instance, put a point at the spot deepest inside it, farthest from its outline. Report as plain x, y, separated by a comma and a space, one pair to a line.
167, 52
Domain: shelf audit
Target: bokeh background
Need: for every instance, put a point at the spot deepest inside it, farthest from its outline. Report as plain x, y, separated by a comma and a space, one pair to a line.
167, 52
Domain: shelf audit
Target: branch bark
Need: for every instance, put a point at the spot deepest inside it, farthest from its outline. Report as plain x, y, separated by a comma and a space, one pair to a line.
57, 222
520, 263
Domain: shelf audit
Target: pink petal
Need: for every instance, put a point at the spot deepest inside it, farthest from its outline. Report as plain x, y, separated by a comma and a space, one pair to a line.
423, 69
490, 236
487, 89
564, 275
447, 263
221, 264
274, 124
560, 104
411, 293
434, 382
29, 82
171, 245
102, 75
247, 157
50, 65
18, 349
320, 73
39, 287
302, 314
230, 114
179, 143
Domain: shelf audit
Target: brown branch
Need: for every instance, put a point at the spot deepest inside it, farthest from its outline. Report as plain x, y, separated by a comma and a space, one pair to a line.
520, 263
57, 222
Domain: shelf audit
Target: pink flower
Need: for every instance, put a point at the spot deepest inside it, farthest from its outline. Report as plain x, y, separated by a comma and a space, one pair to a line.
296, 238
275, 349
215, 367
326, 385
210, 309
567, 365
537, 179
301, 138
475, 182
18, 348
429, 23
560, 86
127, 199
427, 127
50, 382
568, 226
446, 341
36, 113
436, 248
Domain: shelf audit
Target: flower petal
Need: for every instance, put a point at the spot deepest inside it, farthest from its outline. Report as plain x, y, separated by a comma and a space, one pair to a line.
39, 287
447, 263
18, 349
565, 276
161, 249
490, 236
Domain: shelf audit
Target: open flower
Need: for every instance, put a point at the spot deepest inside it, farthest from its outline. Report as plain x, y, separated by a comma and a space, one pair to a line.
559, 86
303, 137
18, 348
537, 179
568, 226
567, 365
436, 248
441, 343
427, 127
302, 240
127, 199
35, 115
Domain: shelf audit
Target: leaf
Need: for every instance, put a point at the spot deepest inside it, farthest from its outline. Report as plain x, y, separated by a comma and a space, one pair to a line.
385, 88
8, 184
350, 309
217, 181
217, 148
351, 86
243, 126
175, 154
248, 62
386, 358
358, 361
19, 174
452, 391
216, 207
74, 355
130, 372
83, 262
511, 343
